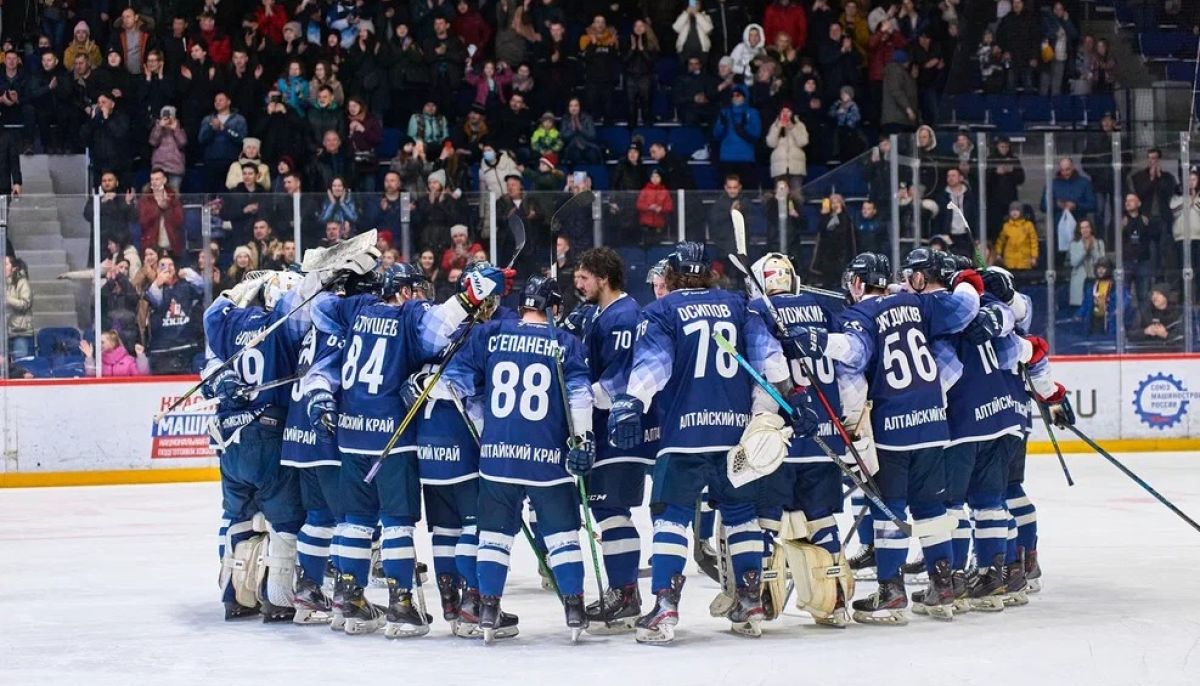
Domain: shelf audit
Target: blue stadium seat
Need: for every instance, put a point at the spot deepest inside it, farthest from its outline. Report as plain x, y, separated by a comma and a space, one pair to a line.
686, 140
668, 69
66, 367
615, 140
58, 340
1007, 120
970, 107
651, 135
1035, 108
598, 174
1165, 44
193, 227
660, 105
1181, 70
998, 101
1097, 104
38, 366
706, 176
389, 144
1067, 108
193, 181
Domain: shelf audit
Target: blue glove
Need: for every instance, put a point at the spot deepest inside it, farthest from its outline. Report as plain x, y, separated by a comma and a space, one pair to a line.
625, 422
578, 318
226, 386
804, 418
987, 325
805, 341
582, 454
322, 411
413, 388
999, 284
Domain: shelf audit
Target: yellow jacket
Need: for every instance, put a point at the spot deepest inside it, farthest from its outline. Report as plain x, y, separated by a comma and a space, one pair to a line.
1017, 245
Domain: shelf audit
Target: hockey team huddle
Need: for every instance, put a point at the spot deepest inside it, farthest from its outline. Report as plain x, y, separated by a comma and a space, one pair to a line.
345, 400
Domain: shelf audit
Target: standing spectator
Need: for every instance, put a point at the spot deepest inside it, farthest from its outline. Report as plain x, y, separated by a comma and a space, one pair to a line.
269, 20
324, 116
219, 45
435, 212
160, 215
641, 58
49, 95
1005, 175
366, 133
1103, 75
872, 233
107, 137
1062, 36
556, 65
898, 113
15, 113
720, 222
1099, 309
1019, 35
447, 56
729, 18
197, 87
693, 29
429, 127
155, 89
1074, 199
284, 134
116, 211
1082, 256
737, 131
176, 43
536, 227
654, 205
243, 84
579, 136
324, 75
1186, 224
1140, 234
1097, 163
955, 224
245, 204
885, 48
514, 125
10, 164
930, 61
292, 88
749, 53
816, 119
386, 213
18, 299
837, 242
82, 45
850, 140
221, 134
115, 360
412, 166
514, 30
250, 155
629, 175
600, 54
175, 302
854, 21
119, 300
266, 250
133, 40
469, 25
497, 165
840, 64
1016, 247
460, 251
492, 84
340, 206
113, 77
786, 16
546, 138
1155, 187
694, 94
787, 138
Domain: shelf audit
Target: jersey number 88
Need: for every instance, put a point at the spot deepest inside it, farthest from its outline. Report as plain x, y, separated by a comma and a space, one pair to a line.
533, 396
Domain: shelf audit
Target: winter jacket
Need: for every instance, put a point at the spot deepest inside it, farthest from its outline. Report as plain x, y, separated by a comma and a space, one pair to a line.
18, 298
322, 119
431, 130
1076, 189
791, 20
899, 95
704, 27
150, 216
545, 140
118, 362
233, 177
879, 54
1099, 320
736, 132
108, 140
744, 54
1017, 244
582, 139
654, 194
1183, 222
491, 176
294, 91
1083, 265
169, 149
224, 145
88, 48
314, 86
787, 149
502, 79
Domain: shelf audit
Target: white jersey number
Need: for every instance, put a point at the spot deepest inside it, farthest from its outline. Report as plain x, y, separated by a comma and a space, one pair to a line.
987, 355
371, 372
251, 366
726, 364
900, 362
533, 395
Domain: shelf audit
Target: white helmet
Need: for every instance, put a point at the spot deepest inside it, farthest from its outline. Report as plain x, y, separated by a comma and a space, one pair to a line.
776, 274
277, 284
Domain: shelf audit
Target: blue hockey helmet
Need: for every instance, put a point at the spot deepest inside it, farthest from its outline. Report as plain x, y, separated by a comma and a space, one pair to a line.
875, 270
540, 293
690, 258
933, 263
396, 277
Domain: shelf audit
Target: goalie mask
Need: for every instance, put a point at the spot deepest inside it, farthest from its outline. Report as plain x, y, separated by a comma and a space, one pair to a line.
277, 285
776, 274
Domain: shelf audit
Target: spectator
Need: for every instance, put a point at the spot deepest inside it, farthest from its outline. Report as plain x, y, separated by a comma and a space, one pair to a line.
245, 204
537, 230
839, 63
1098, 313
115, 360
133, 39
496, 166
886, 47
898, 91
142, 278
1074, 199
160, 215
325, 115
251, 155
333, 161
429, 127
837, 242
694, 94
629, 175
1103, 74
469, 25
467, 142
387, 214
1140, 234
427, 263
952, 223
243, 263
492, 84
82, 44
1158, 319
197, 86
1097, 163
176, 301
514, 125
786, 16
729, 18
850, 140
993, 68
18, 300
340, 206
292, 87
676, 174
1019, 35
412, 166
963, 156
460, 251
284, 132
221, 134
243, 84
366, 133
599, 53
335, 232
547, 178
930, 62
175, 43
1083, 255
169, 141
113, 77
737, 131
1155, 187
1005, 175
435, 212
575, 222
556, 65
654, 207
48, 94
265, 249
107, 137
855, 23
579, 136
749, 53
1062, 36
115, 212
1186, 222
640, 73
720, 223
693, 32
787, 138
546, 138
220, 46
10, 164
366, 69
872, 233
119, 299
1016, 247
447, 56
269, 20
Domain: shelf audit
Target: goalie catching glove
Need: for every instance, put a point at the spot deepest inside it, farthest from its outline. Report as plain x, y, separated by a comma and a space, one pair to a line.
761, 450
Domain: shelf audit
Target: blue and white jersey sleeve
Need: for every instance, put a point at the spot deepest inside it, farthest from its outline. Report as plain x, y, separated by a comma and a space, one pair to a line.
763, 351
653, 355
437, 325
327, 313
578, 382
951, 311
464, 374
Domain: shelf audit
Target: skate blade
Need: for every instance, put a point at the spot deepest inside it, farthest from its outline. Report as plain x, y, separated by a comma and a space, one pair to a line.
837, 620
359, 627
867, 574
1016, 599
962, 605
279, 616
991, 603
576, 632
721, 605
404, 630
942, 612
751, 629
618, 626
306, 615
660, 635
881, 617
918, 579
1034, 585
919, 608
337, 622
463, 629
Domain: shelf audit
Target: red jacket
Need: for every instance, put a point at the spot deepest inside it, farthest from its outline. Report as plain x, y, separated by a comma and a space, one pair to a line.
451, 261
472, 29
272, 26
791, 20
149, 214
879, 52
220, 48
652, 194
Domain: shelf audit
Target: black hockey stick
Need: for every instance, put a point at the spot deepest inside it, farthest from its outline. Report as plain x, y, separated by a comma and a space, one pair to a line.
575, 201
1129, 473
517, 226
1045, 415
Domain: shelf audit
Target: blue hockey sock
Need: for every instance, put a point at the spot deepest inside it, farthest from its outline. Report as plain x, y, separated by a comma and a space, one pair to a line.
670, 546
866, 526
745, 540
1026, 515
961, 538
891, 544
1010, 550
356, 549
566, 561
707, 518
492, 563
537, 534
464, 555
445, 542
313, 543
824, 533
934, 529
620, 543
397, 551
991, 534
335, 547
769, 522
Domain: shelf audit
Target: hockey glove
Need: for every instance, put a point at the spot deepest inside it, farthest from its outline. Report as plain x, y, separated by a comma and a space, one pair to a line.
988, 324
414, 387
227, 387
1059, 405
804, 418
1040, 349
582, 454
999, 284
625, 422
322, 411
804, 342
480, 284
968, 276
578, 318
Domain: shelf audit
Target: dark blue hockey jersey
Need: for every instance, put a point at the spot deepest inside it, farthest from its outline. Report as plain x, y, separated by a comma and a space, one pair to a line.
303, 445
608, 340
979, 402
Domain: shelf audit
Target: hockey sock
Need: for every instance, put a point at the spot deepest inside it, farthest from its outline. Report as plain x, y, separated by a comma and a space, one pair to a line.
1026, 515
464, 555
566, 561
991, 532
933, 530
356, 548
891, 545
670, 548
313, 543
745, 539
769, 521
335, 548
620, 543
492, 564
537, 533
866, 526
230, 534
823, 532
1010, 553
961, 538
707, 519
445, 542
397, 551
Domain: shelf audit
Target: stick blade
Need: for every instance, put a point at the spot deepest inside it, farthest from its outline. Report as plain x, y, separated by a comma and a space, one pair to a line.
516, 225
739, 230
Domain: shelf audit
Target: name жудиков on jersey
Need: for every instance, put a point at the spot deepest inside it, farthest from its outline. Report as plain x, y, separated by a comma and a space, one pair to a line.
898, 315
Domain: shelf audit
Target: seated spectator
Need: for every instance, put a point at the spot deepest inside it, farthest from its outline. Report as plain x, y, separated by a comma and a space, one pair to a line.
1159, 320
325, 115
1082, 255
514, 125
160, 215
366, 132
468, 139
335, 232
427, 263
293, 87
1016, 247
339, 205
387, 258
221, 135
546, 138
428, 127
333, 161
695, 92
244, 262
283, 167
496, 166
736, 133
18, 300
142, 278
1098, 313
460, 251
115, 360
412, 166
787, 138
250, 157
579, 136
176, 306
245, 204
676, 173
749, 52
837, 242
546, 178
325, 76
654, 205
265, 248
118, 246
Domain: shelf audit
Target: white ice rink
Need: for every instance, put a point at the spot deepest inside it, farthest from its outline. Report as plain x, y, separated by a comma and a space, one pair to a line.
117, 585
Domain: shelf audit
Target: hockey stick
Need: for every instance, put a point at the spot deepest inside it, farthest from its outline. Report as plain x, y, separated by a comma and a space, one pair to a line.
517, 226
575, 201
1045, 415
978, 254
823, 292
1129, 473
729, 348
247, 391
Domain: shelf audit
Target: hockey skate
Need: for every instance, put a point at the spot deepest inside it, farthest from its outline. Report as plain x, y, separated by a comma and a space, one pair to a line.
576, 614
1015, 585
235, 611
451, 599
1033, 571
658, 625
986, 589
747, 614
863, 564
840, 617
915, 571
360, 615
494, 622
622, 606
937, 598
337, 620
885, 606
404, 620
962, 601
273, 614
312, 605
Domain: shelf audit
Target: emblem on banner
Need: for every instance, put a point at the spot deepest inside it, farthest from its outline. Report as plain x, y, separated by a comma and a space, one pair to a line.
1161, 401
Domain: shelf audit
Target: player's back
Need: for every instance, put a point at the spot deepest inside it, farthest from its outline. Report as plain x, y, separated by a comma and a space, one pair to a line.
274, 358
608, 341
447, 451
303, 445
979, 403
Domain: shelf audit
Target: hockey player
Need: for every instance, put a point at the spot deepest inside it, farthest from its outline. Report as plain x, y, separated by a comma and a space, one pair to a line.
387, 336
523, 372
249, 430
617, 482
806, 490
884, 357
656, 277
706, 404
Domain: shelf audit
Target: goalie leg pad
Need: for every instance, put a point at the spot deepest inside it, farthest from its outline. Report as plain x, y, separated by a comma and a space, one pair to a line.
280, 562
774, 586
817, 576
760, 451
242, 569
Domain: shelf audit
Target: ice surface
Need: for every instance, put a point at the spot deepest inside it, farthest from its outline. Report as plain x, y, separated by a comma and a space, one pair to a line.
117, 585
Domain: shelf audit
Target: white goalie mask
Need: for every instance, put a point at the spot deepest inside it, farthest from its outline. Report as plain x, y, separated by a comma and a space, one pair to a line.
776, 274
277, 285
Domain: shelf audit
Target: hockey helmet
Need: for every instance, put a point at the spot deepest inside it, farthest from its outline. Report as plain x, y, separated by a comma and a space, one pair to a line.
396, 277
935, 265
690, 258
774, 271
541, 292
875, 270
656, 270
280, 283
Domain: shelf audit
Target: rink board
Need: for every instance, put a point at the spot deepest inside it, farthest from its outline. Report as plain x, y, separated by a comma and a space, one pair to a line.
88, 431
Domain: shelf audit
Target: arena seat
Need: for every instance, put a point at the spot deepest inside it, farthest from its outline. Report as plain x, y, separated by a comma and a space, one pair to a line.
615, 140
57, 340
685, 140
389, 145
970, 107
38, 366
651, 135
